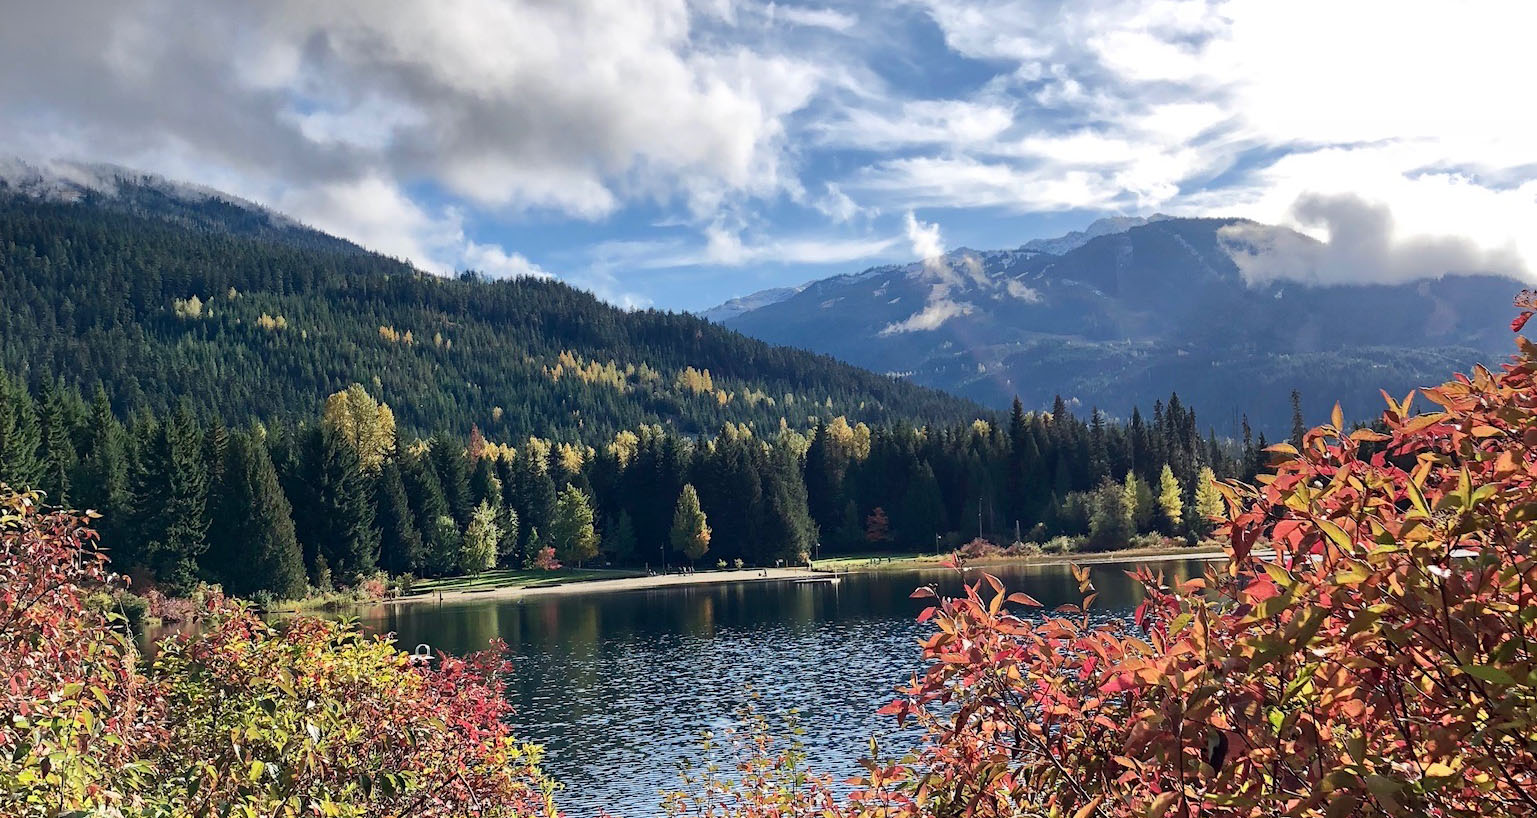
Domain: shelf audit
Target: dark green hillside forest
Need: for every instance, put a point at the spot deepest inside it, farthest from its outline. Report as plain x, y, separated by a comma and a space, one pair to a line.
210, 305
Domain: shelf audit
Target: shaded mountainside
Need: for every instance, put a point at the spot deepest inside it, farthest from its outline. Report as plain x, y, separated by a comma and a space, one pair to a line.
165, 297
1124, 318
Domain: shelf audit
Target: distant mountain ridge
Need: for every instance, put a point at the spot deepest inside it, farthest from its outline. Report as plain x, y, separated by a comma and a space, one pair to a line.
1143, 308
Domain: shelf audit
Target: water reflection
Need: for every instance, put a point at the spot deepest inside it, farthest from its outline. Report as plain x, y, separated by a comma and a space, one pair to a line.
618, 686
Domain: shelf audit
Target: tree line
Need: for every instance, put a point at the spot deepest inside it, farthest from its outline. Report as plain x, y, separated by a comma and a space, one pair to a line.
282, 508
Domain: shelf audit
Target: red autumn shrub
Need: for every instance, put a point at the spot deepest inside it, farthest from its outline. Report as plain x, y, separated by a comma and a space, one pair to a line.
1381, 662
73, 710
312, 718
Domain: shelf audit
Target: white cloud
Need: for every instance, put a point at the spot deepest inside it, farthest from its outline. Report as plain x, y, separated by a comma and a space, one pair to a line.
837, 205
377, 215
811, 17
950, 123
935, 313
1140, 104
927, 244
725, 247
579, 107
1361, 243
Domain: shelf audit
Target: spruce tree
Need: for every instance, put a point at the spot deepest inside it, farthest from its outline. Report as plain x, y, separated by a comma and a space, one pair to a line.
619, 539
452, 468
101, 478
256, 550
339, 522
690, 530
571, 531
21, 465
477, 551
440, 543
507, 524
170, 501
788, 530
400, 541
536, 495
57, 452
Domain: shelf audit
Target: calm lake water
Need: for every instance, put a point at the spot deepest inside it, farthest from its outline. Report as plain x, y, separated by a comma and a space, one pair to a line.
619, 685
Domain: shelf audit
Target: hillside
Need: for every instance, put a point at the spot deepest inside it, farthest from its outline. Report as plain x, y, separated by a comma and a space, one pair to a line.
1122, 318
165, 297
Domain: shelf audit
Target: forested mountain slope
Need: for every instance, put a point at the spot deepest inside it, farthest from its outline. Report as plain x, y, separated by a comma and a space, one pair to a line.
165, 298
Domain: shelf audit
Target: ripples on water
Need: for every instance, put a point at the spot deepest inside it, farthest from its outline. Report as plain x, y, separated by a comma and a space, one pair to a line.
618, 686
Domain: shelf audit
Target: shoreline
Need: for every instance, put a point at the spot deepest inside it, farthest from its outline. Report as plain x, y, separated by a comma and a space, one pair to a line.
897, 563
605, 585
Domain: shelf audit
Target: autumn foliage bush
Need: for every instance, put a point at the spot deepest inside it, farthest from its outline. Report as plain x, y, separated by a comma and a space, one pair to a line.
312, 718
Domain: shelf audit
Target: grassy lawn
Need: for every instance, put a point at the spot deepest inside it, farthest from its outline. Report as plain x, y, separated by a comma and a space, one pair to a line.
515, 578
845, 562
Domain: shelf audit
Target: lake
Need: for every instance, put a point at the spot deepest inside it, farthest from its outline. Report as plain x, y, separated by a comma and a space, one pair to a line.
619, 685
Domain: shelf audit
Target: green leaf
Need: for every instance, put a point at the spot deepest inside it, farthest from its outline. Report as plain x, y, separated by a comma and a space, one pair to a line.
1489, 673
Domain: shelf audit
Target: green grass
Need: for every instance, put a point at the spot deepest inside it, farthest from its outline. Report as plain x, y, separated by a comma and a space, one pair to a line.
514, 578
845, 562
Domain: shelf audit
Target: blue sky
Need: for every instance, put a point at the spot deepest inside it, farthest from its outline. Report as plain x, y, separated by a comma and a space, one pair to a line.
680, 152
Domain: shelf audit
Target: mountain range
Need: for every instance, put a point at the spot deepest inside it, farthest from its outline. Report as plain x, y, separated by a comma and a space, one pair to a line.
166, 294
1128, 310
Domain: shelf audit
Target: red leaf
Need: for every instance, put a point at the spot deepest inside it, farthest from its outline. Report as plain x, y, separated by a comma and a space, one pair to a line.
1520, 321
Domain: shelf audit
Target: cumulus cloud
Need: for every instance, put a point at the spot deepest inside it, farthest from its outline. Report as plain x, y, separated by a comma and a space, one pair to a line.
509, 105
1361, 244
376, 214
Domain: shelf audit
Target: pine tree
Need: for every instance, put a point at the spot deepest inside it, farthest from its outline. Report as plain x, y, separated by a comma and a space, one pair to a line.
571, 531
21, 465
485, 486
690, 530
1208, 503
477, 552
170, 501
1170, 505
256, 547
400, 541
